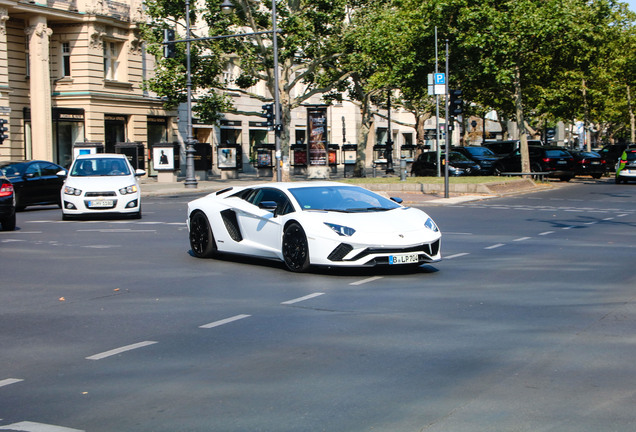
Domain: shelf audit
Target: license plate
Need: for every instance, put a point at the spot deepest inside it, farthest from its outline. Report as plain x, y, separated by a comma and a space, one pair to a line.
561, 162
100, 203
595, 163
403, 259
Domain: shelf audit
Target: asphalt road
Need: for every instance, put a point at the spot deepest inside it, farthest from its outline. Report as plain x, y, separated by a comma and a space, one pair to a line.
527, 325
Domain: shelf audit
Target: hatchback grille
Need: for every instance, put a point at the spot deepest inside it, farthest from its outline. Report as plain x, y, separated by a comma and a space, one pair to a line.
100, 194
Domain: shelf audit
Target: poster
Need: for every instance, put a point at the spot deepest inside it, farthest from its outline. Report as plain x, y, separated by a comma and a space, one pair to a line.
317, 128
163, 158
227, 157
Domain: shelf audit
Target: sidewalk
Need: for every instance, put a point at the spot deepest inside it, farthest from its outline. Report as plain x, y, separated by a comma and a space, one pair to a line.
411, 193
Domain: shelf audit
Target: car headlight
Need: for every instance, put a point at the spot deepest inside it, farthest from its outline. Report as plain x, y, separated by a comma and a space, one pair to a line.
431, 225
68, 190
341, 230
128, 190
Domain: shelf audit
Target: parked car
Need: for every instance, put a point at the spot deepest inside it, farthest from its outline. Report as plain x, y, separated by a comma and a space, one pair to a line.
7, 204
611, 153
35, 182
588, 163
459, 165
483, 156
100, 184
312, 223
554, 161
503, 148
626, 168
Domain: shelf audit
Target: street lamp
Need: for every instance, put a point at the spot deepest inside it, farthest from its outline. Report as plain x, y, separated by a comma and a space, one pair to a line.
191, 182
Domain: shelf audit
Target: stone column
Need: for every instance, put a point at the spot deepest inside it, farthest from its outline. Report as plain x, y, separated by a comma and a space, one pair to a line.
40, 88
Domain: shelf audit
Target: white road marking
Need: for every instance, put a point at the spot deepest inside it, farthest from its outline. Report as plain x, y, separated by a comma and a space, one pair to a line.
120, 350
27, 426
568, 227
456, 255
12, 241
299, 299
546, 233
590, 223
19, 232
115, 230
622, 215
522, 239
9, 381
367, 280
608, 219
224, 321
101, 246
495, 246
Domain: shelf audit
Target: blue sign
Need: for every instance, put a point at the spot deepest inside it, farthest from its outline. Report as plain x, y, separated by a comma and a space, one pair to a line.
440, 78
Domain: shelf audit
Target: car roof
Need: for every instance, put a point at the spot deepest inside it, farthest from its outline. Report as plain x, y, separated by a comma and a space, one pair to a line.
101, 156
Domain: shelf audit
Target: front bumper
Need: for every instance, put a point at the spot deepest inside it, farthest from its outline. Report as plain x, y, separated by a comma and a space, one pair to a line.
101, 204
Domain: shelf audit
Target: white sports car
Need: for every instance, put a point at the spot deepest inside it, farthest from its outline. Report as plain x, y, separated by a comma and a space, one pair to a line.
312, 223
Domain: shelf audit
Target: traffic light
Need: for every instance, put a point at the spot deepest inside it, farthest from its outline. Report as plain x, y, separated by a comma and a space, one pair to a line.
3, 128
169, 47
456, 103
268, 110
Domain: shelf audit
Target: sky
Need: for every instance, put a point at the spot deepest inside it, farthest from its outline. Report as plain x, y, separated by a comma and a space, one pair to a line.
632, 4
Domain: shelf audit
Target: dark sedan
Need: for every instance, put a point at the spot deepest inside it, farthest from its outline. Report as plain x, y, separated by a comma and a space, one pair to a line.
588, 163
35, 182
459, 165
482, 156
7, 204
553, 161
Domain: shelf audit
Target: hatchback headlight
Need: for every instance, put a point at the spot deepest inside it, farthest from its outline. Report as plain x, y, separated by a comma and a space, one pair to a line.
68, 190
128, 190
430, 224
341, 230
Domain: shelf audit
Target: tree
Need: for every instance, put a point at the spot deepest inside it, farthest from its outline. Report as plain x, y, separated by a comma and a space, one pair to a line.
309, 34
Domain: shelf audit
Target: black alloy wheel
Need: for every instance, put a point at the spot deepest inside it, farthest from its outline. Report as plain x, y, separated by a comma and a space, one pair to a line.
295, 248
201, 238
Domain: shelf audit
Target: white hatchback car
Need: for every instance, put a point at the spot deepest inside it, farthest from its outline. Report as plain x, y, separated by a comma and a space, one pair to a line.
99, 184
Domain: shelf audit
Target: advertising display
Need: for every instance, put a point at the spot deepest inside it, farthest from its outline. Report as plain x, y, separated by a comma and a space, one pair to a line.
163, 158
226, 157
317, 128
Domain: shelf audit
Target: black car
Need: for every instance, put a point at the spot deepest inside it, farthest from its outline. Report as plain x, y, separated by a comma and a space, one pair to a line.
612, 153
7, 204
483, 156
588, 163
459, 165
503, 148
35, 182
554, 161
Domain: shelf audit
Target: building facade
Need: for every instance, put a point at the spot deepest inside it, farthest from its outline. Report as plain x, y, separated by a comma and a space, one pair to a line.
72, 71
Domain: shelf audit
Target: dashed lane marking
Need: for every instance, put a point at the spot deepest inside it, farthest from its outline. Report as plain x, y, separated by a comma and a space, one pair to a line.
224, 321
120, 350
299, 299
495, 246
367, 280
457, 255
544, 233
9, 381
27, 426
522, 239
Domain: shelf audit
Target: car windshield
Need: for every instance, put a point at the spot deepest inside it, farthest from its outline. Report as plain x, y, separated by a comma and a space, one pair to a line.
12, 169
556, 153
99, 167
631, 156
348, 199
457, 157
479, 151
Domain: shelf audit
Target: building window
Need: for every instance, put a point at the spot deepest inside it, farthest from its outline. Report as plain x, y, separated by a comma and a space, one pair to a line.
27, 58
66, 59
111, 60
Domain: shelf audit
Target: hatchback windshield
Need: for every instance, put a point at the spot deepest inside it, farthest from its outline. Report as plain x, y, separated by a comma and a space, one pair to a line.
347, 199
99, 167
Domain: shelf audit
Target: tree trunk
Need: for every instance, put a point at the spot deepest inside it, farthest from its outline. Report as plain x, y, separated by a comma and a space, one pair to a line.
521, 124
363, 136
632, 117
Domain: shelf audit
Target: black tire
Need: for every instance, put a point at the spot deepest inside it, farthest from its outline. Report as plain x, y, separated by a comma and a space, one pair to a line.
8, 223
497, 170
597, 176
295, 248
202, 240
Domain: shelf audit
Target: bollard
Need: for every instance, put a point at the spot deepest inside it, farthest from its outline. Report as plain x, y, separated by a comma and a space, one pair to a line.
403, 169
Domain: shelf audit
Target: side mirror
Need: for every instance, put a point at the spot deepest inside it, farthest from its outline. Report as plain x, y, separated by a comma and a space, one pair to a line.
62, 174
140, 172
397, 200
269, 206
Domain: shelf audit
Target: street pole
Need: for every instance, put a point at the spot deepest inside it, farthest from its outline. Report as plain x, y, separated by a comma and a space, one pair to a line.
277, 114
389, 141
448, 129
190, 180
437, 149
